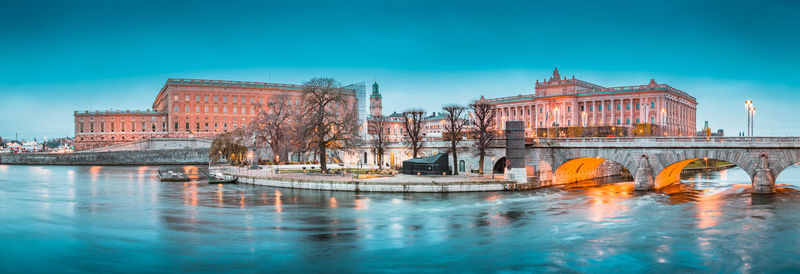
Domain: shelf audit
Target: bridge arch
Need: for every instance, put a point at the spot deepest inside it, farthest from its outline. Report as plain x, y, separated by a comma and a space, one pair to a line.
781, 160
570, 166
671, 173
780, 177
625, 158
586, 168
499, 166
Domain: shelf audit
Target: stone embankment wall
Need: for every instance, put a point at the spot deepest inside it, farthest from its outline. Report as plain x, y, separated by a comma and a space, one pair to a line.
143, 157
375, 187
156, 144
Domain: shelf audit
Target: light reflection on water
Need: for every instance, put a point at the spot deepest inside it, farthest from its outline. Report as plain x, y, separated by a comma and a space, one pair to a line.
122, 219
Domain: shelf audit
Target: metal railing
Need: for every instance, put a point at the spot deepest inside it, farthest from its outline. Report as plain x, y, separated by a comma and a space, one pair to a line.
735, 139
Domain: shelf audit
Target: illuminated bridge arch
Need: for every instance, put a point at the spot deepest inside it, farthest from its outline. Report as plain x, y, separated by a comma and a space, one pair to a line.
586, 168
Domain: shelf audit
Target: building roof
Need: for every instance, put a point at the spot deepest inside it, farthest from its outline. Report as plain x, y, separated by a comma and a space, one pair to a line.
587, 88
436, 116
228, 83
428, 160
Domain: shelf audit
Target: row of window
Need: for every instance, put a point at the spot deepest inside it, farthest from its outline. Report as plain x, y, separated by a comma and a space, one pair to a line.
113, 127
102, 118
234, 99
234, 110
206, 128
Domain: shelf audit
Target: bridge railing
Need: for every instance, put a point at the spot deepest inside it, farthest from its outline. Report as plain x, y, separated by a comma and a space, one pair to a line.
665, 140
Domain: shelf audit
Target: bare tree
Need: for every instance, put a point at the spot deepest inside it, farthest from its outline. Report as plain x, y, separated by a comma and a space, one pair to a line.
412, 130
454, 130
272, 127
377, 129
329, 120
229, 146
483, 119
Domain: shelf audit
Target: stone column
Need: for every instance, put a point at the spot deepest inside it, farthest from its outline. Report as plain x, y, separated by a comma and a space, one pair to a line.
763, 181
611, 110
630, 114
642, 107
594, 113
603, 113
643, 178
631, 111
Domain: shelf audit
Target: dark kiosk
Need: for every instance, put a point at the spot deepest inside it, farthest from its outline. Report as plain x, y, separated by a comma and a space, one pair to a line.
433, 165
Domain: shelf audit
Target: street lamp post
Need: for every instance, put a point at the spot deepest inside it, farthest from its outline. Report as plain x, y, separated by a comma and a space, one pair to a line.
753, 121
751, 111
556, 123
747, 112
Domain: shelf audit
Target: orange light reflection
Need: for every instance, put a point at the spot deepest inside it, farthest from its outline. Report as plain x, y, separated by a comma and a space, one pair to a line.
332, 202
278, 202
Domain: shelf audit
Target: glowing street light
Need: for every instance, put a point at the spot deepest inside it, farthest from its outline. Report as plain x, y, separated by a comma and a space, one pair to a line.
751, 111
556, 121
583, 118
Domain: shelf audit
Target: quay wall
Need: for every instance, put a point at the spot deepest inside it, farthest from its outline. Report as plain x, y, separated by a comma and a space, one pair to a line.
361, 186
356, 186
142, 157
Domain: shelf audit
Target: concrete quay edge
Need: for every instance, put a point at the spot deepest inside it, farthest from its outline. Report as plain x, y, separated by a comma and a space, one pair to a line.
396, 187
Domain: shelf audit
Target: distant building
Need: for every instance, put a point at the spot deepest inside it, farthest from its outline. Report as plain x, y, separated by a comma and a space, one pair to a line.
706, 131
360, 90
578, 108
375, 101
191, 108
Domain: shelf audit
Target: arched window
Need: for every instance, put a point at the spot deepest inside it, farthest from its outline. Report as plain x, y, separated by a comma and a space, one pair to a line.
461, 166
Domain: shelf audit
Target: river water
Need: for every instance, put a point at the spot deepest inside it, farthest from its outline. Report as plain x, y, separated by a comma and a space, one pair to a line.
122, 219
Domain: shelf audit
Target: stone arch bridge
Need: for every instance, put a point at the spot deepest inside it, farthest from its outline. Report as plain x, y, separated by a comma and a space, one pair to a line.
653, 162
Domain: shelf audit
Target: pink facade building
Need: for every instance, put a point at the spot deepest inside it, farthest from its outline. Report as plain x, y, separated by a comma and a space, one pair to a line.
571, 107
187, 108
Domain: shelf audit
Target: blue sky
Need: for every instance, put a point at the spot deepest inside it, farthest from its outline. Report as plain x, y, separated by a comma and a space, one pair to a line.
61, 56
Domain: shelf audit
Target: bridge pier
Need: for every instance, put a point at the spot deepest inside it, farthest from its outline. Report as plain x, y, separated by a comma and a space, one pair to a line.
515, 152
763, 180
643, 179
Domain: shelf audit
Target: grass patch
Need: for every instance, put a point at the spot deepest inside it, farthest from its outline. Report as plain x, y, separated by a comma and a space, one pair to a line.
700, 163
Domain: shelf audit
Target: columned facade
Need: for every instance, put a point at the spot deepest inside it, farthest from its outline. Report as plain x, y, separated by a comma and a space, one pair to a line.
571, 107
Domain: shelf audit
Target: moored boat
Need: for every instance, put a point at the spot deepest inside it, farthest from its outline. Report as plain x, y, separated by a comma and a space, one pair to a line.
217, 178
172, 176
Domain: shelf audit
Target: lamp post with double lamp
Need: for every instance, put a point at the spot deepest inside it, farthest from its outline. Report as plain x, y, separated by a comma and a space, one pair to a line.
751, 111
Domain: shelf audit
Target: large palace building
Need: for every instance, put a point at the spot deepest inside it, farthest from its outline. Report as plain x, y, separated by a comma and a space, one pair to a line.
562, 107
193, 108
